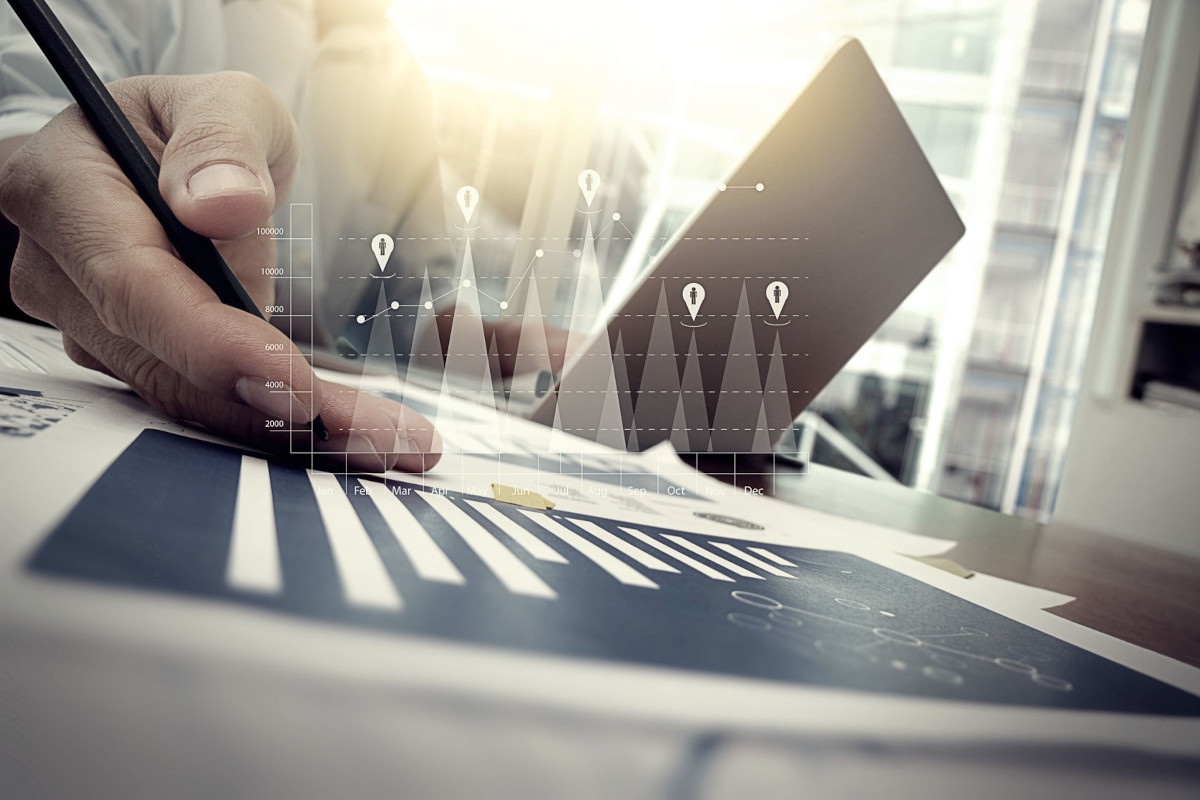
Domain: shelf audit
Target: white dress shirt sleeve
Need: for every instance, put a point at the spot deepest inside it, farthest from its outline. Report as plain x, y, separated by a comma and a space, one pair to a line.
120, 38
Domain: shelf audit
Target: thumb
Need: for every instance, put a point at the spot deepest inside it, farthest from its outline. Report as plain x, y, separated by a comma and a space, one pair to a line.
230, 156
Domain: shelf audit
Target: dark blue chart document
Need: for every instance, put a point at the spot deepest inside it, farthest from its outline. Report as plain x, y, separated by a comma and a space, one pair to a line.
178, 515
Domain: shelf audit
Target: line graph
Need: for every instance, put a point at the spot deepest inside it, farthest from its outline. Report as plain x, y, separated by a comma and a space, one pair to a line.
724, 388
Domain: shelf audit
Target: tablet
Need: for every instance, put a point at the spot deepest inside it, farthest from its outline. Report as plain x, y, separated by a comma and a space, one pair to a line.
767, 292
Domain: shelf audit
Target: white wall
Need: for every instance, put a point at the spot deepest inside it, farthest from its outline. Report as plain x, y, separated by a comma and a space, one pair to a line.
1135, 473
1132, 470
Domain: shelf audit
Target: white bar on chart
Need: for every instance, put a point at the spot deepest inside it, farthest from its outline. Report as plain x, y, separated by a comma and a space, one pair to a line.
778, 559
532, 544
702, 568
616, 542
605, 561
427, 559
512, 571
713, 557
365, 581
254, 547
752, 560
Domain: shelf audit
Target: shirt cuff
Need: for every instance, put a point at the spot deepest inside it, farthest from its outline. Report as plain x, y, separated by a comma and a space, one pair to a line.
23, 116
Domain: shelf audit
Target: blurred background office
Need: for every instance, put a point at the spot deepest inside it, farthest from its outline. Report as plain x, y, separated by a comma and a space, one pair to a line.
1024, 108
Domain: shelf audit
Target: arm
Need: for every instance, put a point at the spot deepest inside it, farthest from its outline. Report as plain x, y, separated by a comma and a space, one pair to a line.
92, 261
31, 94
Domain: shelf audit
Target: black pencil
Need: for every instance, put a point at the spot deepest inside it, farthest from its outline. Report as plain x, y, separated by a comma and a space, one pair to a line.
133, 157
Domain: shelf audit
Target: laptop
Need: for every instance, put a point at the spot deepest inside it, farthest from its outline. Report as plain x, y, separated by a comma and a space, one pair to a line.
770, 288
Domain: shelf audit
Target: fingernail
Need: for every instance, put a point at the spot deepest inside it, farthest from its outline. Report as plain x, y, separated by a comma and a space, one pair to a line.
223, 179
354, 452
416, 429
409, 457
418, 458
405, 444
273, 398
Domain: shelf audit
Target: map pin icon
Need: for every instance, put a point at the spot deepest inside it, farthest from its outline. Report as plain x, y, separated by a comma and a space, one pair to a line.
468, 199
777, 295
589, 182
693, 296
382, 246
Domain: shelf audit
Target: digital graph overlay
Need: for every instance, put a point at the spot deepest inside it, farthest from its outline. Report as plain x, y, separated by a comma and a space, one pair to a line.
724, 389
179, 515
293, 311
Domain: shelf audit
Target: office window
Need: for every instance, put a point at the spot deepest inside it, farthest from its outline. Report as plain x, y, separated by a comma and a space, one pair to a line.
1043, 134
976, 454
1006, 322
1060, 46
947, 135
947, 36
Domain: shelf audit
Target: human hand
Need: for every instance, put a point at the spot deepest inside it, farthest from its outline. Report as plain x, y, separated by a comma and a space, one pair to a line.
94, 262
507, 335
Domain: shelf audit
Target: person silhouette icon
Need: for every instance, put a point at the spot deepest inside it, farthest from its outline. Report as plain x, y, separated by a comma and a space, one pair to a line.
778, 291
693, 295
383, 247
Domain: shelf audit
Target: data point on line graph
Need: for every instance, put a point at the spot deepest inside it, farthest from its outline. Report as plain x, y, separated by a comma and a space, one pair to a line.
539, 252
428, 304
589, 182
382, 247
466, 283
721, 187
693, 296
759, 186
503, 305
577, 253
468, 200
395, 305
361, 319
616, 217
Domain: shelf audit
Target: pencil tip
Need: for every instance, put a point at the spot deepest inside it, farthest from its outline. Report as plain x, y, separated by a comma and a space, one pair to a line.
318, 427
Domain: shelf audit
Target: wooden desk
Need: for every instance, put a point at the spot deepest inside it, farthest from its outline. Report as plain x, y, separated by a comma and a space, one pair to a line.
1140, 594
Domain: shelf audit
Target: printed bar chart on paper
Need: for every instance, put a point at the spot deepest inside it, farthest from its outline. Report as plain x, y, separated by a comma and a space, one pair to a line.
401, 558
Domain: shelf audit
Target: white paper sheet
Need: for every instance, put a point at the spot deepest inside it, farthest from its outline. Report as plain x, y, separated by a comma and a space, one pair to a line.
45, 475
1007, 591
